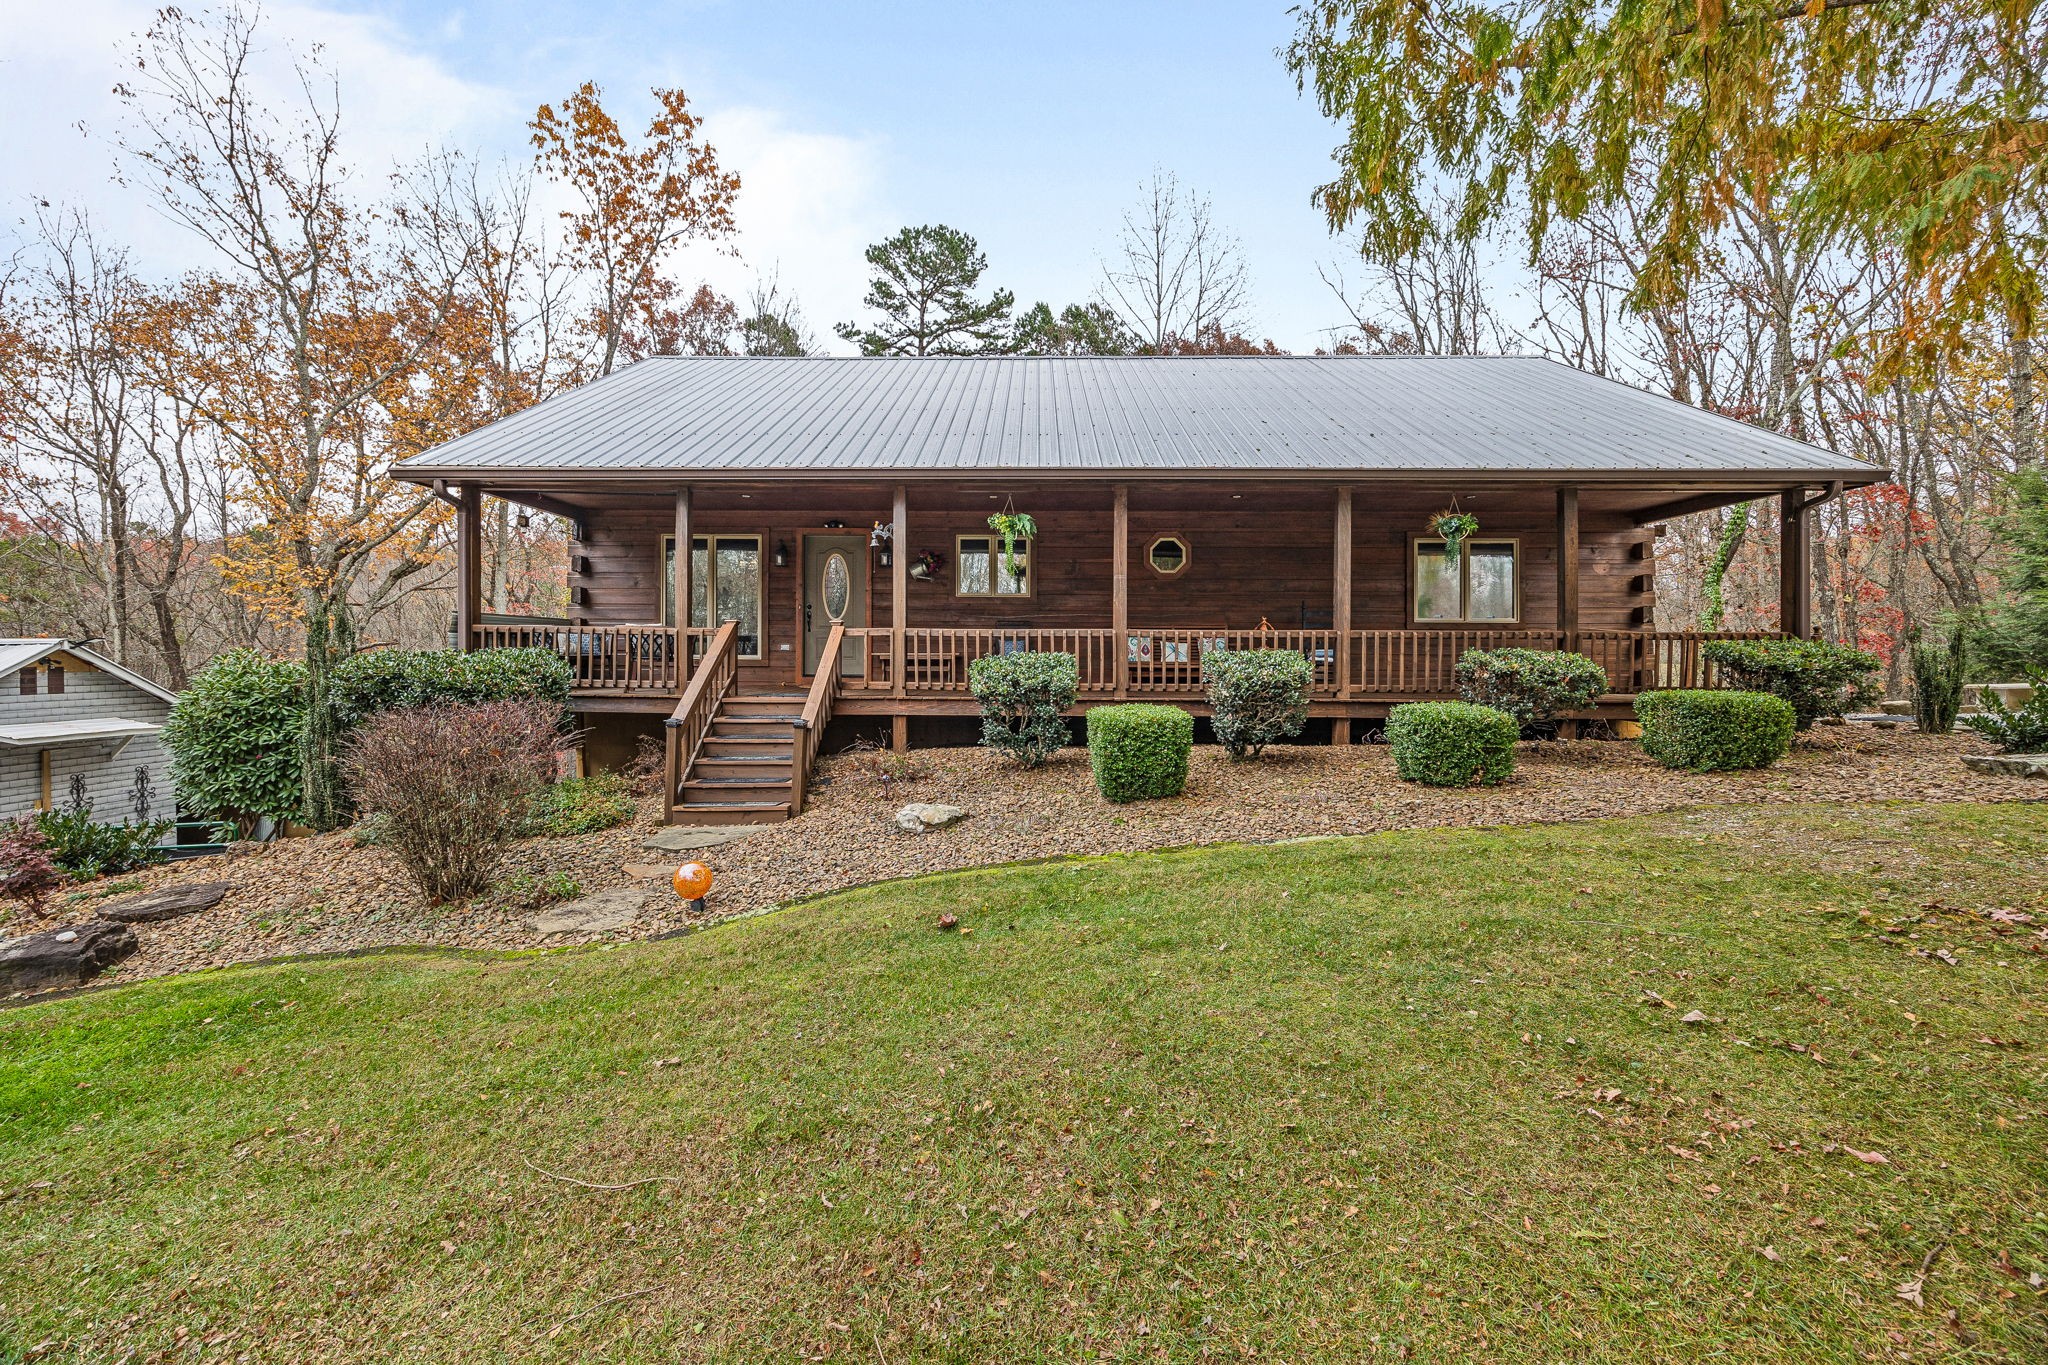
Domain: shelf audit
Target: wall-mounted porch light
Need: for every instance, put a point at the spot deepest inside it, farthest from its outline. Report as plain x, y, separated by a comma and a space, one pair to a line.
523, 520
781, 555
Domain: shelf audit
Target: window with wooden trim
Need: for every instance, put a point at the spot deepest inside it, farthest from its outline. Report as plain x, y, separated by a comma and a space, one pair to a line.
28, 682
981, 571
56, 676
725, 585
1483, 585
1167, 556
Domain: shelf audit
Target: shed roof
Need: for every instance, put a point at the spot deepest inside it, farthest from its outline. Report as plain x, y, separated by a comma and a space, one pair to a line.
17, 654
1367, 416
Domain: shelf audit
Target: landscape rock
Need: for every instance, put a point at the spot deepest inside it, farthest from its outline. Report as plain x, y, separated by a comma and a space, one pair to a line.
56, 958
686, 838
172, 902
2008, 765
607, 910
919, 816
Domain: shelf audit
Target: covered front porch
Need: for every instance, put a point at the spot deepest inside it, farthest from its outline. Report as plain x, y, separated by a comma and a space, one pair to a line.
1138, 580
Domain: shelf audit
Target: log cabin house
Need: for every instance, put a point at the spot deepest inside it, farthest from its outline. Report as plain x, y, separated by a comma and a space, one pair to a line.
842, 566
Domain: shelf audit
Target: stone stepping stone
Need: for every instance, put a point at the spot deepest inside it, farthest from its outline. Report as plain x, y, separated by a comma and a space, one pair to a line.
688, 838
607, 910
2008, 765
69, 955
169, 903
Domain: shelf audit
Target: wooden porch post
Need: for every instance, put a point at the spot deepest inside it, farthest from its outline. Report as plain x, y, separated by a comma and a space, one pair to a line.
899, 613
679, 587
1120, 589
1568, 584
1795, 565
1340, 611
469, 567
1568, 567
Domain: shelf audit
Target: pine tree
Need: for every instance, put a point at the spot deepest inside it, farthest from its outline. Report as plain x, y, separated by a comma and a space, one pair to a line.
923, 286
2013, 641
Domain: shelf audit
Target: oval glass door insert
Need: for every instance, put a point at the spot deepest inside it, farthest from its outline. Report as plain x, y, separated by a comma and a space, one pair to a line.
838, 584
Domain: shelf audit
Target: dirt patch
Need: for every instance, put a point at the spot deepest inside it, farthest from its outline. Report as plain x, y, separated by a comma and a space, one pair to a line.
328, 895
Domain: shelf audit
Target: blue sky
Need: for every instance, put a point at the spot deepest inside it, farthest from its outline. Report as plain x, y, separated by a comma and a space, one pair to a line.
1029, 126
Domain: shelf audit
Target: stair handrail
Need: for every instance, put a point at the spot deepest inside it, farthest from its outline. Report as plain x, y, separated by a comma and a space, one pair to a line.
817, 714
694, 713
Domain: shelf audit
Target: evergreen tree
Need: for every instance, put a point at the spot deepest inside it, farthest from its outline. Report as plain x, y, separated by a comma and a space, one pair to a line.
923, 287
2013, 641
1079, 329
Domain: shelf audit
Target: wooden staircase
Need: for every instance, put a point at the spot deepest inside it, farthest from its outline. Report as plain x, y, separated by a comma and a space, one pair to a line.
744, 771
744, 759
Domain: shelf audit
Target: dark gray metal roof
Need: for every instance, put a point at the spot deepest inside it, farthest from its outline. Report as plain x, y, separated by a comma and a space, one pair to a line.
1229, 415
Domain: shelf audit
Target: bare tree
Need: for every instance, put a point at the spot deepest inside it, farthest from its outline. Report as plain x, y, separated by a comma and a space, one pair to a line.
1174, 274
1432, 301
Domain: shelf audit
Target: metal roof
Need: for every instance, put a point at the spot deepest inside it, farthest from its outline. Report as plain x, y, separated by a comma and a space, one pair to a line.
17, 654
736, 416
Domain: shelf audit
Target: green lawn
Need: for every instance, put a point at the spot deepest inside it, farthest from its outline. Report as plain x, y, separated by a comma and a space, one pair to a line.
1325, 1101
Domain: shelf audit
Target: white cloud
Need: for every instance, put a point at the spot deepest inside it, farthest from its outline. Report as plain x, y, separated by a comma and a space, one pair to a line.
62, 61
808, 206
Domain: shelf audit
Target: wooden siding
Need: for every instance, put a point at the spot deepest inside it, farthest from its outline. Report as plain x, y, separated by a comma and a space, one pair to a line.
1266, 553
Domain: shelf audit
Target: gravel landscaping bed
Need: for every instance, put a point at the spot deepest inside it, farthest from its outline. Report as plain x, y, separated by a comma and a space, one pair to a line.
328, 895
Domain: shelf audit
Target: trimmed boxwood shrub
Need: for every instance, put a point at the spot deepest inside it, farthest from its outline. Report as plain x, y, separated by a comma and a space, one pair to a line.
1139, 752
1024, 699
1452, 743
1257, 696
1817, 678
395, 679
1715, 731
234, 739
1532, 685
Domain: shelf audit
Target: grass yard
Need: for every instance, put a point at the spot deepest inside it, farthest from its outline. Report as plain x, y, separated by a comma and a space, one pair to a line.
1421, 1094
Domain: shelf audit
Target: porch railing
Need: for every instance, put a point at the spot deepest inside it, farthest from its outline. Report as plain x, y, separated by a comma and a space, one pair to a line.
613, 659
1155, 663
685, 730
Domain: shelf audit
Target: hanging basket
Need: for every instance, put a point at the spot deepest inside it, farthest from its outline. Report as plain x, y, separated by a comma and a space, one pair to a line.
1012, 527
1454, 528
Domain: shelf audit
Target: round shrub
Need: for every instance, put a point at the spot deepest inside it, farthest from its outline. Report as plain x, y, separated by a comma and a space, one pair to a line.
1532, 685
1817, 678
1257, 696
1452, 743
1715, 731
234, 739
1024, 699
1139, 752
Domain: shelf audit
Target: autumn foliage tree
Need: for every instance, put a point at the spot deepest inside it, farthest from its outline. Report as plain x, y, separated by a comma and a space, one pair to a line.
331, 344
635, 205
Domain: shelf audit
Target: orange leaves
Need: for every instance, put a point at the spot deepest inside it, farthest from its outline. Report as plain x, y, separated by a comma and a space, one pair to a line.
638, 202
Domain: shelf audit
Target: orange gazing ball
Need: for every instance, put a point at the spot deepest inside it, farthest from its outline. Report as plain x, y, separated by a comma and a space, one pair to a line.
693, 881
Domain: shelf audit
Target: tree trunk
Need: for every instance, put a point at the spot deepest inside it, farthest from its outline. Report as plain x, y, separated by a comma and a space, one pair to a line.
330, 637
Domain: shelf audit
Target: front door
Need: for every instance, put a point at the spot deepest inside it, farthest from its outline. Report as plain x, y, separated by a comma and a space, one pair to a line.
835, 592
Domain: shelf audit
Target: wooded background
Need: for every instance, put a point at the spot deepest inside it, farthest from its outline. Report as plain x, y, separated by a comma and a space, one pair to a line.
1820, 218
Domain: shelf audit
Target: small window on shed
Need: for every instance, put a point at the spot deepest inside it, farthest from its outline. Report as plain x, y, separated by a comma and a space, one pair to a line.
28, 682
56, 679
1168, 556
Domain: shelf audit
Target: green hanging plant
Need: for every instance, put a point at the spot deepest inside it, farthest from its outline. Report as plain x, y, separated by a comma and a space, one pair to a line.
1012, 527
1455, 528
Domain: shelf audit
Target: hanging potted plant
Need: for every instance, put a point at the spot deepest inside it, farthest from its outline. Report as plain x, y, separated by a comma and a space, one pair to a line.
1455, 528
1012, 526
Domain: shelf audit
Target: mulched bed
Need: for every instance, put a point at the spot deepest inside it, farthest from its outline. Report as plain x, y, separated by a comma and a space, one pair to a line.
327, 895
